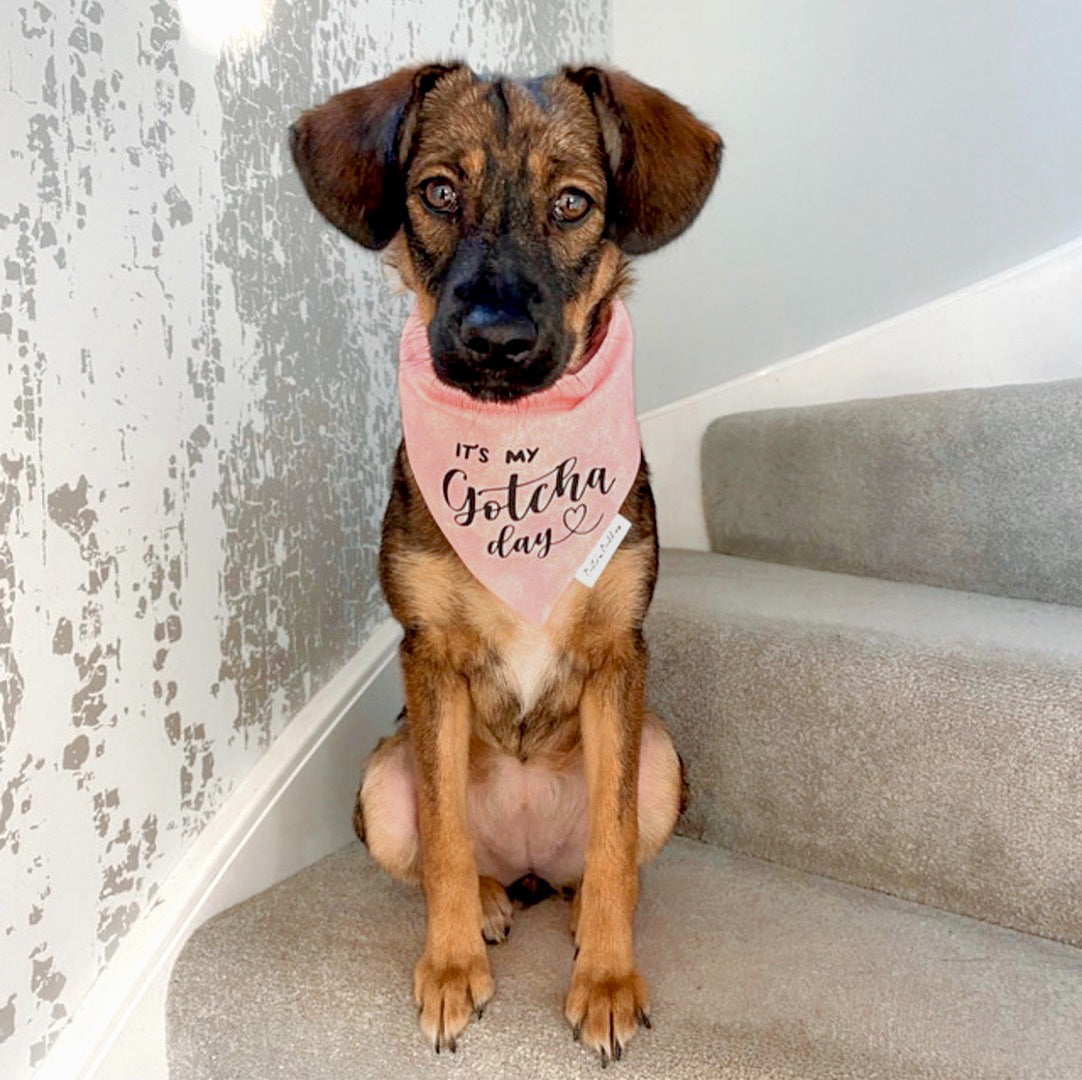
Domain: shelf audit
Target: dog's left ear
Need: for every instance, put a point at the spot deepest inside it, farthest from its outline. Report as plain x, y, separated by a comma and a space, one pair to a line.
662, 159
350, 152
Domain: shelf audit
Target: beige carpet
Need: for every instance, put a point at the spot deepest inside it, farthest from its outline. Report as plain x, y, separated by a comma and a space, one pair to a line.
921, 741
757, 972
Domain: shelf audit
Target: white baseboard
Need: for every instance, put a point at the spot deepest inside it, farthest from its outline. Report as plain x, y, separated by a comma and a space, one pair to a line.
1024, 325
293, 807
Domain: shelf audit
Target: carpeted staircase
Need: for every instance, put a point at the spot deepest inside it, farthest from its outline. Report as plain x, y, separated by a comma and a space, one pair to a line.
880, 874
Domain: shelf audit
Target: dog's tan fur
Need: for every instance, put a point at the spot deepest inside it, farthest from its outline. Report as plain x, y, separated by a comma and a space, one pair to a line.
647, 165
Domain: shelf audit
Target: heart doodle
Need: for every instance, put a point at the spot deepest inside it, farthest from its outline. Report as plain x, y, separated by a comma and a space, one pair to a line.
573, 518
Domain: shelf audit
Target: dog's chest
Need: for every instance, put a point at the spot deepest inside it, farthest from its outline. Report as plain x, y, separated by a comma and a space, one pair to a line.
528, 665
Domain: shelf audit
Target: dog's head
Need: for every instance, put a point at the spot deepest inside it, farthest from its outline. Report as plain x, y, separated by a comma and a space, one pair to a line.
511, 205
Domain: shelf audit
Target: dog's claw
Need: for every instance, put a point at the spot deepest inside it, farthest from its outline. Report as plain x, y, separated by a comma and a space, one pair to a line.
451, 997
645, 1021
605, 1012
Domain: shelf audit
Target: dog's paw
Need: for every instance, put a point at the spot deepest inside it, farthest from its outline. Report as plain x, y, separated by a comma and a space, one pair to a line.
496, 911
448, 995
606, 1011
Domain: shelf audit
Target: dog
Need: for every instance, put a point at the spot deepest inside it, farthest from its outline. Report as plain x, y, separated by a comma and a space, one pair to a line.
510, 208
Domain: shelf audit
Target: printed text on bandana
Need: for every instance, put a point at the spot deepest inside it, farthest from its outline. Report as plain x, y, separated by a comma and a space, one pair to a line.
508, 513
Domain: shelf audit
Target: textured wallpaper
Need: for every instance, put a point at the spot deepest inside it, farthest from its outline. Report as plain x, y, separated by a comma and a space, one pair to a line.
197, 391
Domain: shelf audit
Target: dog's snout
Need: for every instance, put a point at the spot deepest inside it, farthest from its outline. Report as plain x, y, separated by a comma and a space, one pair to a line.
497, 331
490, 333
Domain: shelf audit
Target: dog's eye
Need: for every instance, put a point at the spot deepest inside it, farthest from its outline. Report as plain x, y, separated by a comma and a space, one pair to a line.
571, 205
439, 195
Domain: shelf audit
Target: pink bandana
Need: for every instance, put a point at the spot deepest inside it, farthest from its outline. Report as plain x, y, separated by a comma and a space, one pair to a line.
526, 492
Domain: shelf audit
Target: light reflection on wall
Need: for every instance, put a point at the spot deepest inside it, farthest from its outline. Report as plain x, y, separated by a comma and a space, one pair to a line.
210, 24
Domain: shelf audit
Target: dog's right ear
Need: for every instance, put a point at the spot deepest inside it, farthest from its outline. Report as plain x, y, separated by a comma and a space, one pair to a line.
351, 152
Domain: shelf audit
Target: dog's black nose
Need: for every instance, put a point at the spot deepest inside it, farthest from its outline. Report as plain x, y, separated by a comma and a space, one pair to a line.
493, 334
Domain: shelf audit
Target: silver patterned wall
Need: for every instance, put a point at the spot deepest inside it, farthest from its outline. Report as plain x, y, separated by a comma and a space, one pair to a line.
197, 399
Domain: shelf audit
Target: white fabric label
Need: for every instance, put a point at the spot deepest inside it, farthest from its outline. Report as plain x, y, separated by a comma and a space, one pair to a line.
602, 551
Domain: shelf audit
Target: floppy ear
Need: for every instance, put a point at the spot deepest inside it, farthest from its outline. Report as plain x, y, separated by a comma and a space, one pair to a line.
351, 151
662, 160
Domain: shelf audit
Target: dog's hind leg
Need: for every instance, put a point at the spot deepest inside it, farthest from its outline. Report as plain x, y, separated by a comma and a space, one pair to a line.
497, 911
662, 794
385, 818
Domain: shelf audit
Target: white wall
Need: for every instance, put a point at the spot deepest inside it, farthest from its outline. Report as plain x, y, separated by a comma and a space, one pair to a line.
879, 155
198, 412
1021, 326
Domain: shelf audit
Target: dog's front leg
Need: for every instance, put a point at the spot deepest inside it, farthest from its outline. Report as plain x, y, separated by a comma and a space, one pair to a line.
451, 980
608, 998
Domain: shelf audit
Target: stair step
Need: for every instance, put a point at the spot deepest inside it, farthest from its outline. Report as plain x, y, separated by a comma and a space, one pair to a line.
920, 741
969, 489
756, 972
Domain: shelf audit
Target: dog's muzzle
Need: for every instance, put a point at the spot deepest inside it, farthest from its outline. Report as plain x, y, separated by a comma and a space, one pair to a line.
497, 332
493, 352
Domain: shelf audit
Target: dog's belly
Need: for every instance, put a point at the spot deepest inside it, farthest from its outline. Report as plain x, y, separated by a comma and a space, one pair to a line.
529, 817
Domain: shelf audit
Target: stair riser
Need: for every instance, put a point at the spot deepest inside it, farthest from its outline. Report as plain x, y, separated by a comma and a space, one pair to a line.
949, 779
967, 489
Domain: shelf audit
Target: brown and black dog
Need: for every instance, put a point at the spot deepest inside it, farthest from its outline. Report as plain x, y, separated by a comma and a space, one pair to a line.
511, 208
